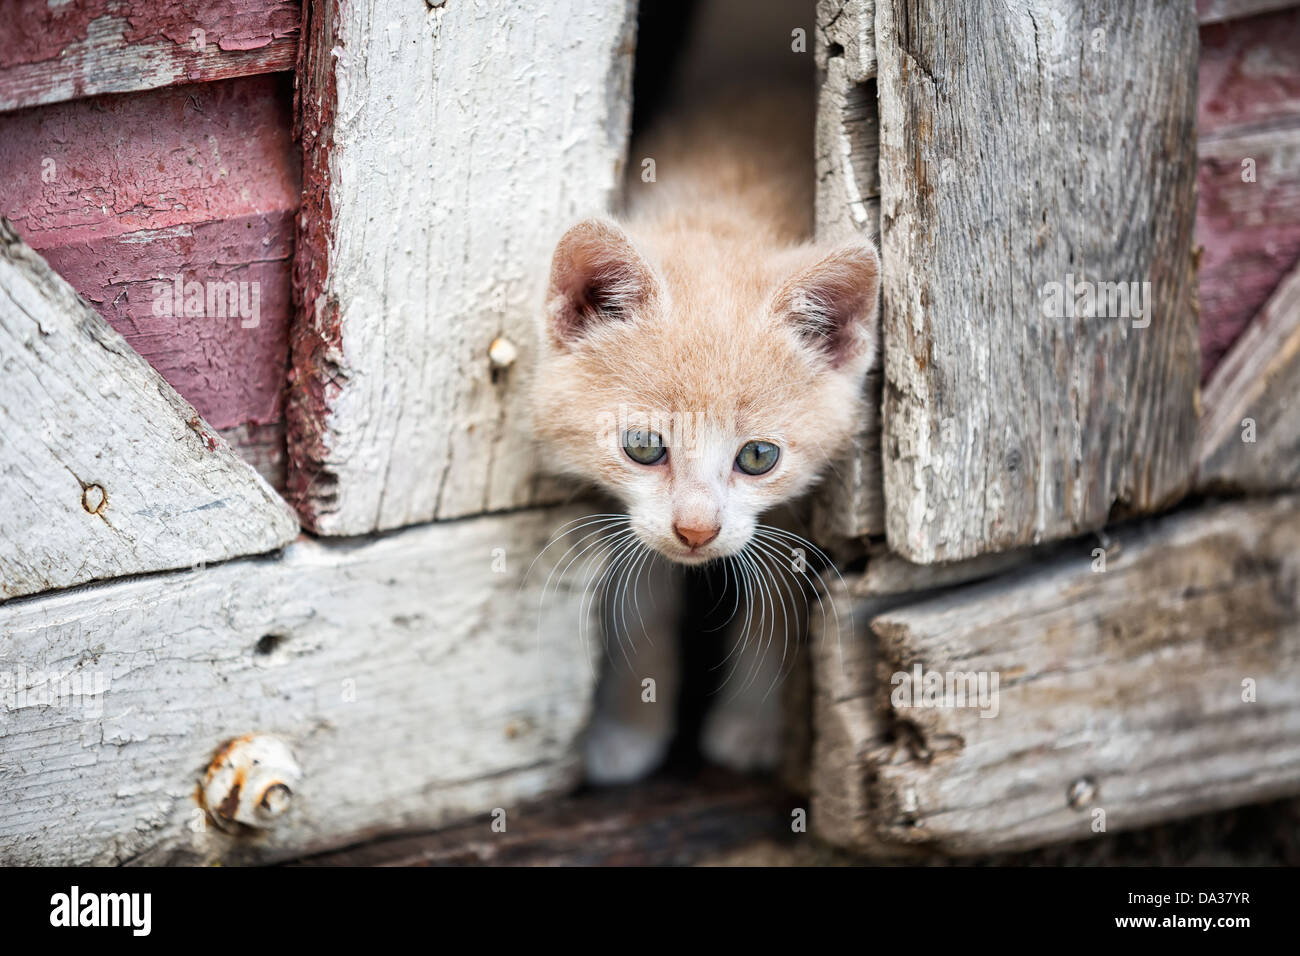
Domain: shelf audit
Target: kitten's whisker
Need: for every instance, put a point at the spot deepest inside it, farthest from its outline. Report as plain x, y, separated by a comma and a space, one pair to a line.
565, 530
626, 542
647, 559
606, 523
769, 531
618, 572
787, 572
605, 541
817, 590
763, 573
783, 537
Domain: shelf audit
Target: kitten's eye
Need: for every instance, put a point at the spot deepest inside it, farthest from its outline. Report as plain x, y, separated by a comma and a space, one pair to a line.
644, 447
757, 457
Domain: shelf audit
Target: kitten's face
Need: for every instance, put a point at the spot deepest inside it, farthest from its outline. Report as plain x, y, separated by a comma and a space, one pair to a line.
699, 387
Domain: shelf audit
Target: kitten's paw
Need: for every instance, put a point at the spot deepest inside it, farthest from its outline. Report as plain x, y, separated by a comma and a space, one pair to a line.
743, 738
621, 753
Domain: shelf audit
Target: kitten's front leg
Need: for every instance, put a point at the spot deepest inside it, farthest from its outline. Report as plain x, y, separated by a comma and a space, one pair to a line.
636, 700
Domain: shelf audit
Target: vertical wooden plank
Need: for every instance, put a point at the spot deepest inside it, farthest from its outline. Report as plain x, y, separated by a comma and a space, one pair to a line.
1038, 145
851, 503
447, 146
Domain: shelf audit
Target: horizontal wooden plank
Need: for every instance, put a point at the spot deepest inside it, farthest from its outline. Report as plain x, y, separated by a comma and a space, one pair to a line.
1250, 434
64, 51
107, 471
423, 242
414, 681
202, 183
1122, 690
660, 822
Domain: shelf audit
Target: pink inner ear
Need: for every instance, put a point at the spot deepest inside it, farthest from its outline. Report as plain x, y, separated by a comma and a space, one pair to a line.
833, 304
596, 276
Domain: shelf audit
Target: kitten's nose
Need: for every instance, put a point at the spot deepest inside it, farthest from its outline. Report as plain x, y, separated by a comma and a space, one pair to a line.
695, 537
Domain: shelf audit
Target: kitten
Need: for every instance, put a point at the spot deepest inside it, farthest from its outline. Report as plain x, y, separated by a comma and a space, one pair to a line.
701, 361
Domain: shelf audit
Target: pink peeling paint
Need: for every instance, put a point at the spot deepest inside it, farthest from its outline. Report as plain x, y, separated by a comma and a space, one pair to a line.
53, 52
39, 30
1250, 231
199, 181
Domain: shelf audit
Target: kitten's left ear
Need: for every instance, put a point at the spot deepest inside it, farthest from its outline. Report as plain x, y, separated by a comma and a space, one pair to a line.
832, 304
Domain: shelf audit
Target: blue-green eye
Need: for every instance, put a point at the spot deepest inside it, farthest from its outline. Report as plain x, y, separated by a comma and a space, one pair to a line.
644, 447
757, 457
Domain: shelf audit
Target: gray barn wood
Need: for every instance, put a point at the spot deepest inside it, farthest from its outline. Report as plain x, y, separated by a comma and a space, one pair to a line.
1034, 144
413, 678
1250, 435
104, 470
1121, 690
447, 148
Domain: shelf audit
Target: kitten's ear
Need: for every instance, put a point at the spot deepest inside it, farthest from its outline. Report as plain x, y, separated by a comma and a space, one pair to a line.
596, 277
832, 304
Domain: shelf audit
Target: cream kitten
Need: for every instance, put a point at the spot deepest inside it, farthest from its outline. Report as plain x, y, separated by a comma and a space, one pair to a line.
702, 362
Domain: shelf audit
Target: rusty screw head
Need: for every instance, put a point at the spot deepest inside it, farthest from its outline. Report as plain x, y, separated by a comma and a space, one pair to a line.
250, 781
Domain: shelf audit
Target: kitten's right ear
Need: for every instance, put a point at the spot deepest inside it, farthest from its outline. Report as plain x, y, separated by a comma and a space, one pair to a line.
596, 277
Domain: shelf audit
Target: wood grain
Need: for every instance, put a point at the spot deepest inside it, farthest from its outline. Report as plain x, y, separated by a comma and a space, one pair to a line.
64, 51
107, 471
1123, 687
1255, 394
416, 685
447, 148
851, 502
1003, 426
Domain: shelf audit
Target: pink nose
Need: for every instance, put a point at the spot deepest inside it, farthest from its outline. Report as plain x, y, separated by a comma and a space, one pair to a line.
695, 537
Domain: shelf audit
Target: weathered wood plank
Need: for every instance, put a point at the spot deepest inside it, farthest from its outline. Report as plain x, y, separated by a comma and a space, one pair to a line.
659, 822
200, 183
1120, 690
107, 471
414, 683
851, 503
1250, 435
422, 242
62, 51
1007, 420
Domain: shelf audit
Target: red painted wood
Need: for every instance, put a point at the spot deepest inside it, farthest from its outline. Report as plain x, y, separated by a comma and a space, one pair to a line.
317, 334
51, 52
1250, 71
199, 181
1249, 81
